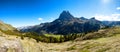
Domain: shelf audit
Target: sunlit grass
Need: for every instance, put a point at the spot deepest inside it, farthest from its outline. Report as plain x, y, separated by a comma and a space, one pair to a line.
53, 35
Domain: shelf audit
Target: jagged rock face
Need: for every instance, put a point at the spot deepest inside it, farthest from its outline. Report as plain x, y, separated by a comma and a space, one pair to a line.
67, 24
65, 15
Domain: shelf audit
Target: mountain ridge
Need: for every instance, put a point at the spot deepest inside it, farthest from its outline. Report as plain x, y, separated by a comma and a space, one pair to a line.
5, 27
66, 24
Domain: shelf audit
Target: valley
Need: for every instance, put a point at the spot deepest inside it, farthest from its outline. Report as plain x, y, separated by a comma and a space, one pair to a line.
109, 41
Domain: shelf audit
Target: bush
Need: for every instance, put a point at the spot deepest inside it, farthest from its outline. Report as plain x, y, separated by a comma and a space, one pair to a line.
22, 37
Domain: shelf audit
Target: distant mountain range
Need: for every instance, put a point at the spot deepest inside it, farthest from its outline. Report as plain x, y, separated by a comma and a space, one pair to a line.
111, 23
68, 24
65, 24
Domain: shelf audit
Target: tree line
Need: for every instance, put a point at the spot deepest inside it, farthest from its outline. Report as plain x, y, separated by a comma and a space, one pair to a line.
51, 39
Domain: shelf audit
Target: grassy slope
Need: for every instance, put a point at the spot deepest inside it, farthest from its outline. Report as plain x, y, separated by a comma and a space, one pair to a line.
4, 26
106, 43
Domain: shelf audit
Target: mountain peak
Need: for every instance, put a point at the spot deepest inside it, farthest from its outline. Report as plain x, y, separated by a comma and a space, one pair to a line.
65, 11
65, 15
83, 18
93, 18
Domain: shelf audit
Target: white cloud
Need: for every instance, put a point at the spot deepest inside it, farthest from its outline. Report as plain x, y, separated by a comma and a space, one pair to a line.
118, 8
40, 19
113, 17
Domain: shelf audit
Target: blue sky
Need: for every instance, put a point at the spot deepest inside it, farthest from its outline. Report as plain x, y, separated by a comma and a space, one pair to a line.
31, 12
